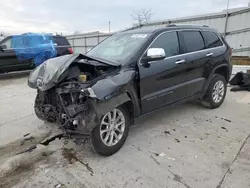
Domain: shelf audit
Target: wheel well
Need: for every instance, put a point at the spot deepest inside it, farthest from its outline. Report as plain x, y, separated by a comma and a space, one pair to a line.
130, 108
223, 71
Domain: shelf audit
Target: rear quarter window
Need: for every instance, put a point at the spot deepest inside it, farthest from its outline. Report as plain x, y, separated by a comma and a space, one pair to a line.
61, 41
211, 39
193, 41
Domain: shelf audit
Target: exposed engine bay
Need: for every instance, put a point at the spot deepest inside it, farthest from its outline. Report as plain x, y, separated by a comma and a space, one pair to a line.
71, 102
84, 72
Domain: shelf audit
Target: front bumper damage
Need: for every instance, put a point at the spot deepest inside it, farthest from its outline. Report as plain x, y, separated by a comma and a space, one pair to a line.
78, 106
78, 119
81, 119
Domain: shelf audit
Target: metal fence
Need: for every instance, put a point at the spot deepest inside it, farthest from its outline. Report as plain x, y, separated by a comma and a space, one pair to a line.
233, 24
83, 43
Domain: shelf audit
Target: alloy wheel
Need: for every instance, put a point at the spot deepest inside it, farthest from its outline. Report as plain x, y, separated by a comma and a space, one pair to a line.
218, 91
112, 127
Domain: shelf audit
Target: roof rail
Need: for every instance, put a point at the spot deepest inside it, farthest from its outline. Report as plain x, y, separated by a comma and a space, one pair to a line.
192, 25
132, 28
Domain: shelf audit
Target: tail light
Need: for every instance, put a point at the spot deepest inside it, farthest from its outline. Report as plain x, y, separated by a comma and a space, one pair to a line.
71, 50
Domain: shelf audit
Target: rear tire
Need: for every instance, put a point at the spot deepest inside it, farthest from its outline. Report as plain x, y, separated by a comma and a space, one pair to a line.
216, 92
108, 138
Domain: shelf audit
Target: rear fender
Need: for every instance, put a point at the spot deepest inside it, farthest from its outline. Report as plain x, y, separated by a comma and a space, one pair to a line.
210, 78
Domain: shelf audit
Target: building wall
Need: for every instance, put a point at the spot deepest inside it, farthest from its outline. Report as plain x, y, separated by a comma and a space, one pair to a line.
81, 44
234, 25
237, 32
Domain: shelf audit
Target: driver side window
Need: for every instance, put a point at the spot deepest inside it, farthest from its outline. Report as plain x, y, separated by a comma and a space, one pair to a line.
169, 42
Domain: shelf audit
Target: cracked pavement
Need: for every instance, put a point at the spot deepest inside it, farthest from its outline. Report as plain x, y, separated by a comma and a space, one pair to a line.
187, 146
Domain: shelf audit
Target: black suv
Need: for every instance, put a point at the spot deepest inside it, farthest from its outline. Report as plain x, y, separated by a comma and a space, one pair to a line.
8, 58
130, 74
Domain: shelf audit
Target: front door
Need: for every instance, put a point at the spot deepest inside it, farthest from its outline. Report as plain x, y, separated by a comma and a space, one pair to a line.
8, 59
162, 82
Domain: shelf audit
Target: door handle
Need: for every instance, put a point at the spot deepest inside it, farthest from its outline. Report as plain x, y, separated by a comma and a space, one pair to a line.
180, 61
209, 54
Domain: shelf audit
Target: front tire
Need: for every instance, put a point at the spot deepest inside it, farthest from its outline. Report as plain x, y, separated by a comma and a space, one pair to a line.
216, 92
38, 108
39, 111
108, 137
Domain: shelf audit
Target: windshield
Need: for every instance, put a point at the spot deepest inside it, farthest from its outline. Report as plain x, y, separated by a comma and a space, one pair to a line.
118, 47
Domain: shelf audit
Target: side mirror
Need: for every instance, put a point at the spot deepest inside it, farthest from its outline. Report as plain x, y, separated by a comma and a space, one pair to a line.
154, 54
2, 47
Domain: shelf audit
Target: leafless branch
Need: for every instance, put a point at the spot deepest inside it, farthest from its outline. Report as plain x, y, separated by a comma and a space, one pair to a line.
137, 16
147, 15
142, 16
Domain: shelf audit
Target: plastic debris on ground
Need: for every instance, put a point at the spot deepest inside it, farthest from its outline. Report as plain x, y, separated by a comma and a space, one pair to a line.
241, 81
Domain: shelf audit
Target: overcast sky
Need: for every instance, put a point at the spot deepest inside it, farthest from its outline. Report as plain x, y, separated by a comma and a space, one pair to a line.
67, 16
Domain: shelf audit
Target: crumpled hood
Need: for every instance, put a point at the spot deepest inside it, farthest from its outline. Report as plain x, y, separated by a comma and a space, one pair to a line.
48, 74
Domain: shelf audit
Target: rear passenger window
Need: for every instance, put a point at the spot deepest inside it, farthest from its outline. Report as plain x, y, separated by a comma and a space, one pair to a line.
61, 41
169, 42
193, 41
211, 39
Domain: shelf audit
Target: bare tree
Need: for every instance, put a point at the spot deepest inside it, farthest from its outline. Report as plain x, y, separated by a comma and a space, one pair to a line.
147, 15
137, 16
142, 16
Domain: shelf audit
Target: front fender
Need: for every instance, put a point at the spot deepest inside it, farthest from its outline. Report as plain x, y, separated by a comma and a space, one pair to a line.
104, 106
115, 90
112, 85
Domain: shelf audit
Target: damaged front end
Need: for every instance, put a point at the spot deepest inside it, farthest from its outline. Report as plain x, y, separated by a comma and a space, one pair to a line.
70, 106
72, 91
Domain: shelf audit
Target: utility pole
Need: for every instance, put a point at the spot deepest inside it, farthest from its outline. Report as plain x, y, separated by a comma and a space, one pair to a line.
109, 26
227, 14
228, 5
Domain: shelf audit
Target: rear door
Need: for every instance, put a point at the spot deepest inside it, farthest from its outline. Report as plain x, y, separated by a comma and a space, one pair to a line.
196, 60
215, 48
162, 82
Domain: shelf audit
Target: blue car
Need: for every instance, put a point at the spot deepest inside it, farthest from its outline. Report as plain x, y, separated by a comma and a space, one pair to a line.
26, 51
